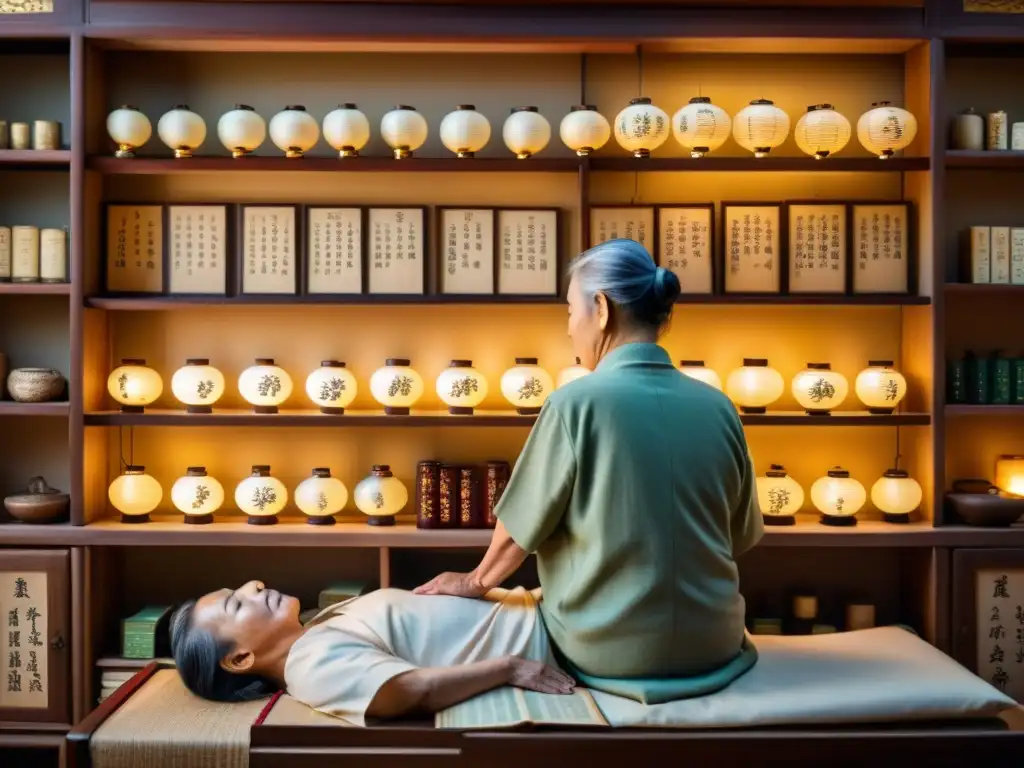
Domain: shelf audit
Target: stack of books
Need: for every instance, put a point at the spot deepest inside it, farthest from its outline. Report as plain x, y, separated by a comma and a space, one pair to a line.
111, 680
141, 633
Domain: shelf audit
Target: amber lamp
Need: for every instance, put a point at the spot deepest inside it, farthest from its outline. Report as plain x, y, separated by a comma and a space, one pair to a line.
696, 369
197, 496
197, 385
381, 496
134, 386
573, 372
838, 497
265, 385
135, 494
880, 387
1010, 474
396, 386
755, 386
461, 387
896, 494
331, 387
260, 496
319, 497
526, 386
779, 496
818, 389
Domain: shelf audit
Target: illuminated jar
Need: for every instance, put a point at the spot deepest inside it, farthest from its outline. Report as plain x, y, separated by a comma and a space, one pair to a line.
821, 131
260, 496
197, 385
381, 496
461, 387
573, 372
197, 496
701, 127
320, 497
760, 127
584, 130
755, 386
134, 386
265, 386
818, 389
896, 494
838, 497
696, 369
396, 386
641, 127
886, 129
880, 387
779, 496
129, 129
404, 130
182, 130
526, 386
135, 494
242, 130
347, 130
526, 132
294, 131
465, 131
331, 387
1010, 474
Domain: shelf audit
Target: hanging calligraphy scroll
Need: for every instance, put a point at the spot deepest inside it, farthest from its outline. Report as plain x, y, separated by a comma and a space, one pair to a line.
752, 256
467, 252
197, 249
528, 251
23, 655
817, 247
633, 222
269, 255
134, 248
397, 250
334, 250
882, 248
685, 245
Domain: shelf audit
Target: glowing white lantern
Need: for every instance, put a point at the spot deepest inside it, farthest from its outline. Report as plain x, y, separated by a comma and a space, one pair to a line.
381, 496
197, 495
294, 131
526, 386
526, 132
584, 129
461, 387
134, 386
818, 389
573, 372
129, 129
755, 386
347, 130
135, 494
886, 129
242, 130
696, 369
197, 385
700, 126
465, 131
331, 387
404, 129
821, 131
260, 496
1010, 474
265, 386
396, 386
838, 497
320, 497
880, 387
896, 494
641, 127
182, 130
760, 126
779, 496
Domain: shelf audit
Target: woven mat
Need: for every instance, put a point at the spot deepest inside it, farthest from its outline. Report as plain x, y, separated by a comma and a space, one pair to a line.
288, 711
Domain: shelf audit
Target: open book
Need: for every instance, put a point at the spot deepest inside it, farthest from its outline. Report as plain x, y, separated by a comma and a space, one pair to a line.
507, 707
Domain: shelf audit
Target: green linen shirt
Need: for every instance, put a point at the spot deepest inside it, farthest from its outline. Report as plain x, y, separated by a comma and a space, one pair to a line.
636, 491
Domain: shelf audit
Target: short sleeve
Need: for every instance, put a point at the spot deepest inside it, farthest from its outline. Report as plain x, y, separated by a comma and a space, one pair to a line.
538, 492
747, 524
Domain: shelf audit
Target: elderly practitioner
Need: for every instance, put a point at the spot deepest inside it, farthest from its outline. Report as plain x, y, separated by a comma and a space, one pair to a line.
635, 490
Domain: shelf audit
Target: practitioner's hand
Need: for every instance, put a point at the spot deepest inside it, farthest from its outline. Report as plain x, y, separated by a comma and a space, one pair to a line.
457, 584
536, 676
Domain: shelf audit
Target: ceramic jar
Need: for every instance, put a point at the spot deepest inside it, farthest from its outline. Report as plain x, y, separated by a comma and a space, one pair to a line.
182, 130
331, 387
294, 131
319, 497
347, 130
39, 505
197, 496
404, 130
465, 131
641, 127
701, 127
35, 385
996, 135
242, 130
265, 385
198, 385
129, 129
969, 131
584, 130
526, 132
261, 496
381, 496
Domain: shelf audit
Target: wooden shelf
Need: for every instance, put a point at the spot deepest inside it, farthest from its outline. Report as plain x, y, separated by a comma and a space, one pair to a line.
35, 158
145, 165
35, 289
953, 411
804, 164
996, 160
983, 289
8, 408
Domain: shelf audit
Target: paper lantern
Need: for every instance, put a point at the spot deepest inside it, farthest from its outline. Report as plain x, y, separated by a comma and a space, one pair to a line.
294, 131
818, 389
755, 386
242, 130
198, 385
573, 372
197, 496
134, 386
896, 494
260, 496
821, 131
880, 387
182, 130
396, 386
886, 129
760, 127
1010, 474
465, 131
584, 130
135, 494
779, 496
331, 387
381, 496
265, 385
526, 386
696, 369
461, 387
320, 497
641, 127
526, 132
404, 130
347, 130
129, 129
838, 497
701, 127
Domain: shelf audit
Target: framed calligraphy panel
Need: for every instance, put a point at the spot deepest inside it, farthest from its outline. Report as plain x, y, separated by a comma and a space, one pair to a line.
335, 263
397, 250
528, 251
134, 248
817, 246
196, 251
634, 222
466, 238
752, 237
268, 260
882, 247
685, 245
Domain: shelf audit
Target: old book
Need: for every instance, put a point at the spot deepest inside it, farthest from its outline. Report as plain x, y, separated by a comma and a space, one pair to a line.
508, 707
981, 254
1017, 256
1000, 254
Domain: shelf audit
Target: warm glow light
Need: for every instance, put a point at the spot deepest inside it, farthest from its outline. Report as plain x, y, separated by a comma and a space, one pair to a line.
696, 369
818, 389
755, 386
700, 126
197, 495
641, 127
261, 496
1010, 474
242, 130
584, 130
347, 130
760, 127
129, 128
886, 129
265, 385
320, 497
896, 494
573, 372
880, 387
182, 130
135, 494
134, 386
198, 385
294, 131
838, 497
526, 132
381, 496
396, 386
461, 387
527, 385
331, 387
404, 130
779, 496
465, 131
822, 131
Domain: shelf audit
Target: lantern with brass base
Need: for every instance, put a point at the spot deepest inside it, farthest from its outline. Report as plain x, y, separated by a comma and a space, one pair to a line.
320, 497
818, 389
260, 496
135, 494
779, 496
896, 494
134, 386
197, 496
381, 496
838, 497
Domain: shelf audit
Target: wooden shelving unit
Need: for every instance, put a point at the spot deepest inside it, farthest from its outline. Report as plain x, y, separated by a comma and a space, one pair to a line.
34, 409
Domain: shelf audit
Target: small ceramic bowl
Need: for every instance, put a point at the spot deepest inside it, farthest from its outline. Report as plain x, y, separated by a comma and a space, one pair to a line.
41, 504
986, 509
35, 385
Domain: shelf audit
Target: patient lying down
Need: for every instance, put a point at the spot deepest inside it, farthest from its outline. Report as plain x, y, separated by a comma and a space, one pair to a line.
386, 654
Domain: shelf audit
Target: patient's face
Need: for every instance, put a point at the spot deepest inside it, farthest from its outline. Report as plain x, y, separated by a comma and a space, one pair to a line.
252, 618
